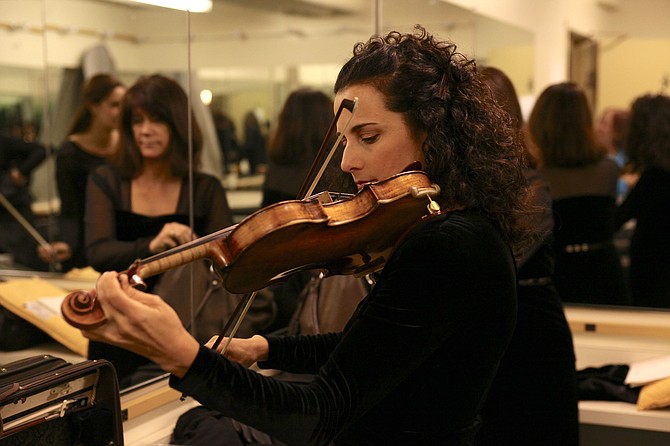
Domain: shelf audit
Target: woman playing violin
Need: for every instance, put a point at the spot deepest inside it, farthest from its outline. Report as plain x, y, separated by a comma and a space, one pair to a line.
415, 362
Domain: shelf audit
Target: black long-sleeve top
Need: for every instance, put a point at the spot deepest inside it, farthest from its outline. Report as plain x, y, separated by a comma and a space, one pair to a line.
649, 203
116, 237
412, 366
73, 165
24, 156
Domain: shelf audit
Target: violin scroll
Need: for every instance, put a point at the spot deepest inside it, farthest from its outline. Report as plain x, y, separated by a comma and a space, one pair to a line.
81, 310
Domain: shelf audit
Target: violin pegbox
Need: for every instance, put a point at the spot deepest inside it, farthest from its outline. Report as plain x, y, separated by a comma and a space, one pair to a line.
428, 192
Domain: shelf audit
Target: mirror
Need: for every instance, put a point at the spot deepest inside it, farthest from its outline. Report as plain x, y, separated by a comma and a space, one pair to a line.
245, 54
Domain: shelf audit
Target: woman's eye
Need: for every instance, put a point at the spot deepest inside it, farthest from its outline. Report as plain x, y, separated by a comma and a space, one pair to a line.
370, 139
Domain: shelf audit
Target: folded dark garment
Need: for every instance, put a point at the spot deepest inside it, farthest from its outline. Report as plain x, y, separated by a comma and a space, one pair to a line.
606, 383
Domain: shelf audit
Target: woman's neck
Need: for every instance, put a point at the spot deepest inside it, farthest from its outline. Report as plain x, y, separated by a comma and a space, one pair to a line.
97, 141
155, 191
155, 171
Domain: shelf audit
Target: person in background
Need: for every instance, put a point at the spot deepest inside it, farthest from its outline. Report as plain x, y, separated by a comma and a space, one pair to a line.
533, 399
417, 358
648, 202
612, 131
92, 139
227, 137
138, 204
253, 146
302, 124
583, 184
18, 159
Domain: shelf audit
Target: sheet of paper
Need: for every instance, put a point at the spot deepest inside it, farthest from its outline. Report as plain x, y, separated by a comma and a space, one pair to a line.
45, 307
38, 301
647, 371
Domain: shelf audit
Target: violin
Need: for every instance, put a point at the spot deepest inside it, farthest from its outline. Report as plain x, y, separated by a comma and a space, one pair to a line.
351, 235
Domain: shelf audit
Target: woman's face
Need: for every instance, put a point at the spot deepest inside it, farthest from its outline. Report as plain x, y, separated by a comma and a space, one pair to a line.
151, 135
378, 142
605, 130
107, 112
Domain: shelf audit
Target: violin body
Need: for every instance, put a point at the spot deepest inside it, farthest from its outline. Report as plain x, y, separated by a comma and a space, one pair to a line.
351, 236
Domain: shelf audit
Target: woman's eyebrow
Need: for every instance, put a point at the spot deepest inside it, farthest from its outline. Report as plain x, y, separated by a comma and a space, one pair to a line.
359, 127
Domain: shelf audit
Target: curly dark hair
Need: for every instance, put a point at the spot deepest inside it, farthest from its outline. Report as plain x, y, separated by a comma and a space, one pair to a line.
648, 142
472, 150
163, 99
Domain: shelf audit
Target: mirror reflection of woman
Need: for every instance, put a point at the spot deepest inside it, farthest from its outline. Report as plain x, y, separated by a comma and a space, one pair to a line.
583, 184
92, 139
533, 400
648, 150
138, 204
415, 361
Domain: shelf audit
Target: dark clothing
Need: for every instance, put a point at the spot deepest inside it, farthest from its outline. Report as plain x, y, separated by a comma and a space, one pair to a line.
253, 148
412, 366
533, 399
649, 203
116, 237
73, 165
283, 181
23, 155
113, 243
14, 238
588, 268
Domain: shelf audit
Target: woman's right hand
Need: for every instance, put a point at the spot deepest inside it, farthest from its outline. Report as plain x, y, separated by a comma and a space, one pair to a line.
172, 234
245, 351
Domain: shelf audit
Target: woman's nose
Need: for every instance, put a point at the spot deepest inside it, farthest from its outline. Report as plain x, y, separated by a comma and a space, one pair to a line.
145, 126
349, 161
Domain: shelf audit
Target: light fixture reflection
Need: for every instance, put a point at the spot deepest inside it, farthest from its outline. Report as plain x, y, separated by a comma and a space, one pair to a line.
183, 5
206, 96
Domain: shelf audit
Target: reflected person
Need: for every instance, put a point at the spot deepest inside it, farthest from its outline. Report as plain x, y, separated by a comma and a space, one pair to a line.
533, 399
648, 151
18, 159
583, 184
92, 138
138, 204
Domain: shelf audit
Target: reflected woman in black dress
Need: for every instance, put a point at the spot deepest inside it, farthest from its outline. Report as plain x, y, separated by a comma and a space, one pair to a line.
583, 184
138, 205
648, 149
533, 399
92, 139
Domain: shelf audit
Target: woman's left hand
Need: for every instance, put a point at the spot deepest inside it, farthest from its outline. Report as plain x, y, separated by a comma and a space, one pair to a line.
142, 323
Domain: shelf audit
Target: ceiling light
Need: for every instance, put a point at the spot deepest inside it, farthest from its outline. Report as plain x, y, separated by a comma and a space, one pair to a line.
184, 5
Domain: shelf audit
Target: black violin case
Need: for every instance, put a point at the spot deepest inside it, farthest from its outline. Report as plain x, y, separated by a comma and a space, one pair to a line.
45, 400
